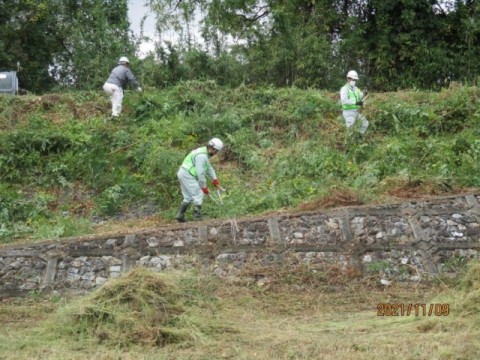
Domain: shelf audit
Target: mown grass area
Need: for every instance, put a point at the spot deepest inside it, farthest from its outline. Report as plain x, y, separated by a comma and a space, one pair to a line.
64, 164
151, 315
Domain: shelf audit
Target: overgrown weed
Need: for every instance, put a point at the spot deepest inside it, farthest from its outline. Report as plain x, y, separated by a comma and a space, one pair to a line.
284, 147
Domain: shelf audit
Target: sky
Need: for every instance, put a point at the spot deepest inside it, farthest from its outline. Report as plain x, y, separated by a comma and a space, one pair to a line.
136, 10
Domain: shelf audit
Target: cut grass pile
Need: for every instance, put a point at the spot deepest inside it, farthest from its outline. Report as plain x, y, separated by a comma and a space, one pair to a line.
143, 307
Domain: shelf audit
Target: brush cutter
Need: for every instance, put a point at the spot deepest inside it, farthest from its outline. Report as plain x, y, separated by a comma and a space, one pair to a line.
366, 94
219, 191
219, 188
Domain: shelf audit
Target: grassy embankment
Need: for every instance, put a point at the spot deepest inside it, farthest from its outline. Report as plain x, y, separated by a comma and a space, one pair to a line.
61, 165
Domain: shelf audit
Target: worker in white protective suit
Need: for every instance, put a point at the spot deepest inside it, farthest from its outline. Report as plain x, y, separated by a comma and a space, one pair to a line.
193, 175
352, 100
117, 82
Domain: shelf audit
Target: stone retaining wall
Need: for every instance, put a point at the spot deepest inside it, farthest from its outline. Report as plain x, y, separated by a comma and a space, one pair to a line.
404, 241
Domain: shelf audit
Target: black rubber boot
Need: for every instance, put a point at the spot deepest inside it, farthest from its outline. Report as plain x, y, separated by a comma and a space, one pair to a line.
197, 212
181, 212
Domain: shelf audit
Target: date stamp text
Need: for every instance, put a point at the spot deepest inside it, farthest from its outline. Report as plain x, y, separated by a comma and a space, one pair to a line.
394, 309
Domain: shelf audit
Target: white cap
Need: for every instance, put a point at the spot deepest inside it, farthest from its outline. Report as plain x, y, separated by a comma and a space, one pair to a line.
352, 74
123, 60
216, 143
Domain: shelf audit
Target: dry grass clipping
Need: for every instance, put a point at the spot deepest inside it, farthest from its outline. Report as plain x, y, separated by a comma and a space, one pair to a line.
470, 303
141, 307
337, 198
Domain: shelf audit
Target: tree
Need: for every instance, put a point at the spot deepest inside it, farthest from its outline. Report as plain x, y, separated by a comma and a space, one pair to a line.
393, 44
278, 42
71, 42
96, 35
29, 36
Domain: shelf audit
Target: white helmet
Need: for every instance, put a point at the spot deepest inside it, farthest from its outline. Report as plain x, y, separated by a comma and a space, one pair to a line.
123, 60
216, 143
352, 74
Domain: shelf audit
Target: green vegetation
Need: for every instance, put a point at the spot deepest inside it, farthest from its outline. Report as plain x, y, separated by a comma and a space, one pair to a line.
62, 162
396, 44
306, 315
399, 44
63, 43
65, 167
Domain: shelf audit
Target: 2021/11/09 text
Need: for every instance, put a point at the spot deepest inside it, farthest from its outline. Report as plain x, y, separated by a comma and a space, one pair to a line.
394, 309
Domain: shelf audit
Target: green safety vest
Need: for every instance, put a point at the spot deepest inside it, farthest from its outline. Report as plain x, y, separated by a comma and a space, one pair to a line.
355, 94
189, 162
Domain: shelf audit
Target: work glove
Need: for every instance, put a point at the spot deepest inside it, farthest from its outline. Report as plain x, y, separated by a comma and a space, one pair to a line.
139, 89
359, 103
205, 190
216, 183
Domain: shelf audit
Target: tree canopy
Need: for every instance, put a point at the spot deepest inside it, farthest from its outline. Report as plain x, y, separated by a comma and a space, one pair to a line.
305, 43
393, 44
63, 42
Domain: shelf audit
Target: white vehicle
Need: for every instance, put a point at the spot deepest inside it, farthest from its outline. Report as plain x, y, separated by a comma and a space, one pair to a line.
8, 82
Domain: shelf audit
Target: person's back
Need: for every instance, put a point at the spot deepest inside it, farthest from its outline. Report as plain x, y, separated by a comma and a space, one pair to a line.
121, 75
116, 83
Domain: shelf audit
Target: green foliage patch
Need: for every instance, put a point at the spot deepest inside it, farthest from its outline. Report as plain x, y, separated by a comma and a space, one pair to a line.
283, 147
